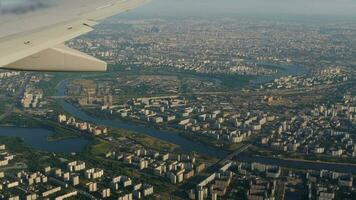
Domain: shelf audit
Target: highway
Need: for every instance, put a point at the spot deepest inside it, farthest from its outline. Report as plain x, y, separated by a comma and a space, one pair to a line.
235, 153
215, 167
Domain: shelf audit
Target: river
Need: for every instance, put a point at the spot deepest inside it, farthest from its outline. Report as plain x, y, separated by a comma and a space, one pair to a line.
292, 70
185, 145
38, 137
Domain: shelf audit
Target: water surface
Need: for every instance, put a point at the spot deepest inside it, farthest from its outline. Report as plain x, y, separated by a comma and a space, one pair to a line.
38, 139
185, 145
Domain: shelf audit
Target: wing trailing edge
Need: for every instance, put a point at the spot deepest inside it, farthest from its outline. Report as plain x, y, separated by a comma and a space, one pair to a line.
59, 58
37, 49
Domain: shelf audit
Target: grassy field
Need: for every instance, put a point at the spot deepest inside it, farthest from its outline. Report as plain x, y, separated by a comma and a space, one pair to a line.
145, 140
100, 148
227, 80
4, 105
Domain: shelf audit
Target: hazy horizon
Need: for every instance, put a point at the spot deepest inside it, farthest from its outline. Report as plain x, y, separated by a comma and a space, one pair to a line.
205, 8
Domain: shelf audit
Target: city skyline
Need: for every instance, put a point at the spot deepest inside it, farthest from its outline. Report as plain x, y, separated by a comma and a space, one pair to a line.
186, 100
206, 8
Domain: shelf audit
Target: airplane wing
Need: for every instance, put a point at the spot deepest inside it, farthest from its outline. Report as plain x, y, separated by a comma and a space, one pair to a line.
32, 39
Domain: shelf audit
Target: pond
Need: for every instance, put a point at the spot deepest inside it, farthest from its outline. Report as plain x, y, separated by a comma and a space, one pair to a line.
38, 139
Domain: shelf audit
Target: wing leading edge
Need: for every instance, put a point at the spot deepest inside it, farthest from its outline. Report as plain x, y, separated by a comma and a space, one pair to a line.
42, 49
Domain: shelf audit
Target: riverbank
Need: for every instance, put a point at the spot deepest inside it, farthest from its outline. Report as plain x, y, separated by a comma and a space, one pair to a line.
318, 161
322, 158
37, 138
24, 121
299, 163
185, 145
228, 147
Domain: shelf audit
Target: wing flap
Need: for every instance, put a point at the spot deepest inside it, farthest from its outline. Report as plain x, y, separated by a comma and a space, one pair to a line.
17, 47
21, 46
59, 58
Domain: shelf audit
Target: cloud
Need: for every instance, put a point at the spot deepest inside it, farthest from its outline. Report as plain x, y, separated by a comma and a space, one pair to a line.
22, 6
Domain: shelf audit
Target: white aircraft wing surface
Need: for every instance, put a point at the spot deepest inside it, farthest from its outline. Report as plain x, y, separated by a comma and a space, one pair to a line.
33, 32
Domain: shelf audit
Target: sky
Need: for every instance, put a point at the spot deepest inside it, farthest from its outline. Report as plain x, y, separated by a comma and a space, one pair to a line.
270, 7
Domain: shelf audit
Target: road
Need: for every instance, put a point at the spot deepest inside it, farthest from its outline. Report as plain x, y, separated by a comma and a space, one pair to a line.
215, 167
235, 153
17, 99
